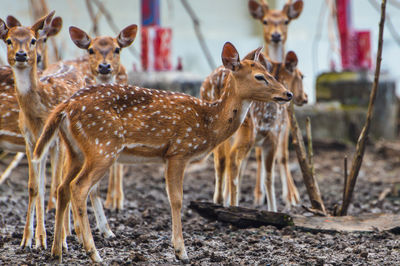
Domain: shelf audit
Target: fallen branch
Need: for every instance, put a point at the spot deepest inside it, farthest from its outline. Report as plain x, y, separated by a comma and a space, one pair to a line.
308, 177
360, 148
241, 217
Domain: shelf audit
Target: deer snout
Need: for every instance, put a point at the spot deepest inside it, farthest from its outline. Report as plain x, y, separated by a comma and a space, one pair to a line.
104, 68
39, 58
21, 56
276, 37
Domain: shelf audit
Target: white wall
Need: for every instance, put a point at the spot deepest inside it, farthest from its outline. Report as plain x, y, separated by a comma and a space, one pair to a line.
221, 21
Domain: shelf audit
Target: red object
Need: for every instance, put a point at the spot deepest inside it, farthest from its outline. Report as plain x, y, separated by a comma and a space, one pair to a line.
364, 49
156, 48
355, 46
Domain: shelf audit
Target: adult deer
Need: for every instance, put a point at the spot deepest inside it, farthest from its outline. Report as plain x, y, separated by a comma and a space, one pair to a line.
275, 26
132, 124
11, 139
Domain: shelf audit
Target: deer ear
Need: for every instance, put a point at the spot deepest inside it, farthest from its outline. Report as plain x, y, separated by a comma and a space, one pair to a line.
266, 63
293, 11
55, 27
253, 54
230, 57
43, 23
3, 29
291, 61
79, 37
127, 36
12, 22
256, 9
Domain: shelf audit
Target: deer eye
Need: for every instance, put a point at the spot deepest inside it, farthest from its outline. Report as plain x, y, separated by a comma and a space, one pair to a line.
261, 78
91, 51
286, 22
265, 22
33, 41
8, 41
117, 50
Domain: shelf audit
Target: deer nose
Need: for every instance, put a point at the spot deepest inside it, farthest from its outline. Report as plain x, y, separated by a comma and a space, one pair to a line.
289, 95
276, 37
39, 58
20, 56
104, 68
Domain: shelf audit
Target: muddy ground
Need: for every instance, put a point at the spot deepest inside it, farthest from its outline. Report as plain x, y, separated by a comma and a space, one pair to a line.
143, 228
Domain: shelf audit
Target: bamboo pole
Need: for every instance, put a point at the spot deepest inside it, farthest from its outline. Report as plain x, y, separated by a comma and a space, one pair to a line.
360, 148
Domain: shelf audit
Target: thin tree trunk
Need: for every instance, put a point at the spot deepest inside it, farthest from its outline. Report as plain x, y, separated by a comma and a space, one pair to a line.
360, 148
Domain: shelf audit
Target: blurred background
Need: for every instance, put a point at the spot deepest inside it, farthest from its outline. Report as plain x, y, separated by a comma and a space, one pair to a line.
314, 36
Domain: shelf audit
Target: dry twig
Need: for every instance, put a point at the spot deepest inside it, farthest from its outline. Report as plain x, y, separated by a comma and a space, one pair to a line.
308, 177
360, 148
196, 25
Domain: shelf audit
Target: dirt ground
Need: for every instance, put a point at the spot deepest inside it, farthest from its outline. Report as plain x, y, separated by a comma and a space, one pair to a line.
143, 228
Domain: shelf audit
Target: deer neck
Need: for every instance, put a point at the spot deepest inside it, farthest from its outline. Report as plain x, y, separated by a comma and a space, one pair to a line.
275, 51
27, 91
26, 80
227, 113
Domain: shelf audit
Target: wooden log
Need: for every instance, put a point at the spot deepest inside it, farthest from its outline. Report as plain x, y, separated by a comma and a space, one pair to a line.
241, 217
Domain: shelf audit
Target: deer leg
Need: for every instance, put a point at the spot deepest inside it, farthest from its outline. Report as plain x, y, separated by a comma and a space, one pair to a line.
33, 188
101, 219
14, 163
259, 190
119, 187
220, 159
174, 174
90, 174
237, 156
290, 193
40, 234
268, 155
56, 160
63, 198
109, 203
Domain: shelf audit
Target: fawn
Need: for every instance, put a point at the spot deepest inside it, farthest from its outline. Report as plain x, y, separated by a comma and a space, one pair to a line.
132, 124
275, 26
11, 139
260, 128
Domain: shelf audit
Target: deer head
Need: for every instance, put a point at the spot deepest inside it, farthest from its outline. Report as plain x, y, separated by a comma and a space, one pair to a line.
22, 41
275, 22
104, 52
254, 82
292, 78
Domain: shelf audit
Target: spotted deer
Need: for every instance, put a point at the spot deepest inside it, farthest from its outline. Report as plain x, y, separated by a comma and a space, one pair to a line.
261, 128
131, 124
276, 23
275, 27
11, 139
102, 65
36, 97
